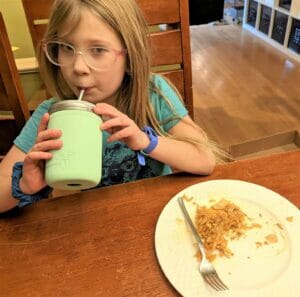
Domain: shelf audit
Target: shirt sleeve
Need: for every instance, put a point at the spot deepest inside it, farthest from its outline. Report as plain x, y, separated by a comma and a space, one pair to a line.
169, 108
26, 139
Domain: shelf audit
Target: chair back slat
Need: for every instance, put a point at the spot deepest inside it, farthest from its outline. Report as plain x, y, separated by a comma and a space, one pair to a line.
160, 12
176, 76
37, 14
39, 31
162, 52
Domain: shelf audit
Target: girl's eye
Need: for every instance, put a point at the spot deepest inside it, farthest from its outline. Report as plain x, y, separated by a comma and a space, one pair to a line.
97, 51
65, 47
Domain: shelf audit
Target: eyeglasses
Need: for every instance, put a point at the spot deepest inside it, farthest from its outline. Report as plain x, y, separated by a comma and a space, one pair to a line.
96, 57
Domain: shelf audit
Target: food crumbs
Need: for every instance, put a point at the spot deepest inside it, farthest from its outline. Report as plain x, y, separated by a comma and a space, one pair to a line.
186, 198
271, 238
217, 224
221, 222
290, 219
258, 244
255, 225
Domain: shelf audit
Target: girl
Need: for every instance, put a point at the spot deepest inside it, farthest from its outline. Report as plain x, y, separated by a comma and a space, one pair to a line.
101, 46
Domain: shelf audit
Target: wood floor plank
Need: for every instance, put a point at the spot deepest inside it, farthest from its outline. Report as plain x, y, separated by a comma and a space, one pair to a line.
243, 88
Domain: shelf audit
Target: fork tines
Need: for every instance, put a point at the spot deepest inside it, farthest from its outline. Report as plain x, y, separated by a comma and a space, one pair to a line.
215, 282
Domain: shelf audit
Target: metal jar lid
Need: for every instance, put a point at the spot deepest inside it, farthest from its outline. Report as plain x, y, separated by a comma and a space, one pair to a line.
71, 105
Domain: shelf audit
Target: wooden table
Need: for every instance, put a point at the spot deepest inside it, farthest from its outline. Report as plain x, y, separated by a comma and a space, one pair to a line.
101, 242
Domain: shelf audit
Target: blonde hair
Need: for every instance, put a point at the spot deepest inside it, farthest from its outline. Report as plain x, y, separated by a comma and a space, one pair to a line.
126, 19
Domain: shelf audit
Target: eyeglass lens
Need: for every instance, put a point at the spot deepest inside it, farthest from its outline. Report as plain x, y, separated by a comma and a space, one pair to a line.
63, 54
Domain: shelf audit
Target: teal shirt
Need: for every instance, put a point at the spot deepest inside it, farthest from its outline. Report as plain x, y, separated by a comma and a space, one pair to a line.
119, 164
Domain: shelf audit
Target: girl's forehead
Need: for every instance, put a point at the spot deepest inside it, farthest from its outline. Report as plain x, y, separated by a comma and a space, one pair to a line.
87, 26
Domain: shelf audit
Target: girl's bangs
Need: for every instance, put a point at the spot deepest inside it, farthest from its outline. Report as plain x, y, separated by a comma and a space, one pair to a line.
69, 20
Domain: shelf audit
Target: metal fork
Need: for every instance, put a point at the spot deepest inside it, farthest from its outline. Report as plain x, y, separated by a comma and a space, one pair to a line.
206, 268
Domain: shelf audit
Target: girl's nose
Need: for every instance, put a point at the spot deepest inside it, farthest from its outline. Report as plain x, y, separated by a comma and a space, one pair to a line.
80, 66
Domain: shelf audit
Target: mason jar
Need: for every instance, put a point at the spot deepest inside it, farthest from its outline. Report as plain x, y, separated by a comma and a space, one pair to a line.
77, 165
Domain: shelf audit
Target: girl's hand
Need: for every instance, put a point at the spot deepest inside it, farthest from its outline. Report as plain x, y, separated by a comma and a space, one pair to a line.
33, 177
121, 127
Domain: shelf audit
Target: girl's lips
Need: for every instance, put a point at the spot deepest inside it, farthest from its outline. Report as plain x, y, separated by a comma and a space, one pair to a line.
86, 90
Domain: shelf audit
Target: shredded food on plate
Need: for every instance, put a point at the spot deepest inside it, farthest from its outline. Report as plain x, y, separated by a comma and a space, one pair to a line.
224, 221
219, 223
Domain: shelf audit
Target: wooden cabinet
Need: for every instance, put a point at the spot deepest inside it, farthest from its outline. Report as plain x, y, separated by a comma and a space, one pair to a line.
275, 21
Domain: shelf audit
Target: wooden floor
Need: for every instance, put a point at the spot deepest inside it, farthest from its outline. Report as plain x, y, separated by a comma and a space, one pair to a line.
243, 88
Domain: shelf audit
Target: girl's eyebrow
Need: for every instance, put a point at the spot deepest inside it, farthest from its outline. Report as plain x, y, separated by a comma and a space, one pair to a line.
97, 40
89, 41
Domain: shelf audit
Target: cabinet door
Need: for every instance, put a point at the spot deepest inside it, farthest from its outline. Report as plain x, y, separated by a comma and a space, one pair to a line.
294, 40
265, 19
286, 4
279, 27
252, 13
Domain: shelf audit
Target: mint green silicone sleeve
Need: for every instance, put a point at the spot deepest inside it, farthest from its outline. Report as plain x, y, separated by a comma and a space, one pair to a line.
78, 164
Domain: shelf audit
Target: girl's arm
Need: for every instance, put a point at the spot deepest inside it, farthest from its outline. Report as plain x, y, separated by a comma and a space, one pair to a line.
32, 179
182, 155
178, 154
6, 200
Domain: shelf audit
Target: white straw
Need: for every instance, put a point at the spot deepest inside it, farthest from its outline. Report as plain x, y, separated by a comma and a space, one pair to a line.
81, 95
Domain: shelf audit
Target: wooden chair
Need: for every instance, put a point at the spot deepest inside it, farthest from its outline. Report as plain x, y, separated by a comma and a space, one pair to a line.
171, 53
13, 106
37, 14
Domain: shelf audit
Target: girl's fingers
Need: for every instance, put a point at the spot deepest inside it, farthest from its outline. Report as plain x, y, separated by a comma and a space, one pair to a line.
48, 134
47, 145
121, 134
106, 110
43, 123
117, 122
34, 156
121, 127
44, 133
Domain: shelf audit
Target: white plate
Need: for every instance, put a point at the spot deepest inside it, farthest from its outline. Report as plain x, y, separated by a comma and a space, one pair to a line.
268, 271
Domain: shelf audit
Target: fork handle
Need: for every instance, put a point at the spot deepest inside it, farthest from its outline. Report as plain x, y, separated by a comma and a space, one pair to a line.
190, 223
